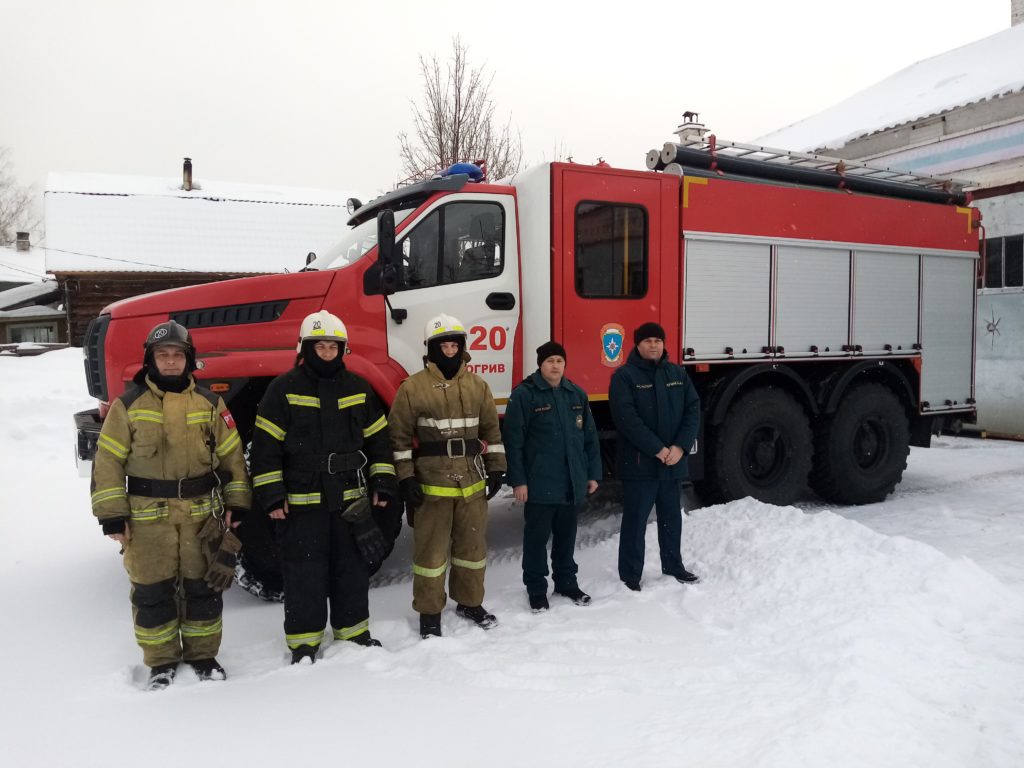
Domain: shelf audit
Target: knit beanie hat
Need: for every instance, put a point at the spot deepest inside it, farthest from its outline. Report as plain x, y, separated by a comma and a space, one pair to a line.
549, 349
648, 331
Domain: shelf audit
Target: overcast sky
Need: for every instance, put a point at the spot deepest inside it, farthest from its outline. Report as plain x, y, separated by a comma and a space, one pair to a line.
313, 94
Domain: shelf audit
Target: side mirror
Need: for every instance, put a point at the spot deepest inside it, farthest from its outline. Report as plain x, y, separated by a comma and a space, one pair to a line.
386, 237
310, 258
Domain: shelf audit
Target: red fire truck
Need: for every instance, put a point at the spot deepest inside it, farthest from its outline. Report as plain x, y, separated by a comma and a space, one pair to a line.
825, 310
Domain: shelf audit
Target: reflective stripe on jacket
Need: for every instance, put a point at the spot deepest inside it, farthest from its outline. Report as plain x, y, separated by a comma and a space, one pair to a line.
166, 436
430, 408
304, 415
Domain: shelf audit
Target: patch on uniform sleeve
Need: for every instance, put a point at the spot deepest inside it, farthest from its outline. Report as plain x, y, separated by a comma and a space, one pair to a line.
228, 419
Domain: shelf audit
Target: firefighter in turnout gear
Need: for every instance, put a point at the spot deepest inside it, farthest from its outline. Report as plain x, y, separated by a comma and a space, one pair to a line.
448, 453
320, 457
168, 477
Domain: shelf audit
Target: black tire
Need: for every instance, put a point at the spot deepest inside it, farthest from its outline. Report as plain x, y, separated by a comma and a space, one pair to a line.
762, 449
861, 450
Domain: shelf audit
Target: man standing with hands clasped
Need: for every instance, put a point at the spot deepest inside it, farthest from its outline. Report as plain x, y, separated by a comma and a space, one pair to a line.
554, 461
656, 412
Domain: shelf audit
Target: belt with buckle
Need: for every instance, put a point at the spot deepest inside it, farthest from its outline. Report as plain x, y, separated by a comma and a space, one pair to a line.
453, 448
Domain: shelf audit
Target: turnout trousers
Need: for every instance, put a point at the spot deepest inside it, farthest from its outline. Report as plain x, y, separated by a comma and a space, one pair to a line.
459, 526
322, 569
542, 522
638, 498
177, 617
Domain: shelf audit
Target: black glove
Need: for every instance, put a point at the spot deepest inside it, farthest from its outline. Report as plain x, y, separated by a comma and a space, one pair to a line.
412, 492
370, 541
494, 482
221, 572
237, 515
113, 526
410, 515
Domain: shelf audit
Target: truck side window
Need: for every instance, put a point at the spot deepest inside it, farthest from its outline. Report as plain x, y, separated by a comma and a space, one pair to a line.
469, 236
611, 250
419, 267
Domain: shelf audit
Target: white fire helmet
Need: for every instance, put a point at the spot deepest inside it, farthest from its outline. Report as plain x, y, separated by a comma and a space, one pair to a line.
322, 326
443, 327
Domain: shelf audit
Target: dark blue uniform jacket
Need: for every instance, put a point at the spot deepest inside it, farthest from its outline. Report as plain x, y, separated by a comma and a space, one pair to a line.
654, 405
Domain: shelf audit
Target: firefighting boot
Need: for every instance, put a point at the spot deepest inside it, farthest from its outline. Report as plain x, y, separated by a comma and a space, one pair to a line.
538, 603
478, 615
364, 639
430, 625
208, 669
304, 652
161, 676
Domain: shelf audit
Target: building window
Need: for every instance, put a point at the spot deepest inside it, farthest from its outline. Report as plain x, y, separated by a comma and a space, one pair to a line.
42, 333
1004, 262
455, 243
611, 251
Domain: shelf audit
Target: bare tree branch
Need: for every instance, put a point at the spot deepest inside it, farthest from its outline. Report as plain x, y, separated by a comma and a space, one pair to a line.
454, 122
16, 210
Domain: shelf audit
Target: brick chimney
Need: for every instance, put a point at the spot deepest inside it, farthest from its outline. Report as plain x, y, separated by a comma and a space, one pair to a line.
21, 242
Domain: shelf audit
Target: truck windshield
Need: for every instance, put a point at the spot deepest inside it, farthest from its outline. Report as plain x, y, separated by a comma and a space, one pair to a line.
356, 244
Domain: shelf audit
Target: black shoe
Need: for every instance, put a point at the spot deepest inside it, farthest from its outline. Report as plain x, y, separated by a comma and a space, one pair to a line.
430, 625
364, 639
161, 676
575, 594
208, 669
633, 585
478, 615
686, 577
304, 652
539, 603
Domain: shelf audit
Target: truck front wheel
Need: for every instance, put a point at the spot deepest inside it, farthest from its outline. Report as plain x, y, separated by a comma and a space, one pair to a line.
761, 449
861, 451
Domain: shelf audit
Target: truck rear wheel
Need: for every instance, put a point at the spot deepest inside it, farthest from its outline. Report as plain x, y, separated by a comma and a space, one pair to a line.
761, 449
861, 451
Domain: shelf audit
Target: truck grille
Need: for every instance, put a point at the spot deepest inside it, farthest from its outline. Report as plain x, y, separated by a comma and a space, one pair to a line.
93, 347
236, 314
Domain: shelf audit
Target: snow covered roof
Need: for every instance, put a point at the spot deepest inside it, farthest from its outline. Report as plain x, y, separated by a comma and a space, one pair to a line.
12, 297
22, 266
984, 69
34, 313
107, 223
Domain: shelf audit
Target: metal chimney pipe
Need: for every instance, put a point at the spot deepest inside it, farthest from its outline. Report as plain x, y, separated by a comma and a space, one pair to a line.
186, 175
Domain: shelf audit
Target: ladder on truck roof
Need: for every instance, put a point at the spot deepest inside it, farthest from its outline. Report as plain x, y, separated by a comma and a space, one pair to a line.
715, 154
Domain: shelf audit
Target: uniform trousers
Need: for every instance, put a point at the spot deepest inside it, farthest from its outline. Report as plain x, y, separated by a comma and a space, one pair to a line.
459, 526
557, 523
322, 570
638, 498
176, 615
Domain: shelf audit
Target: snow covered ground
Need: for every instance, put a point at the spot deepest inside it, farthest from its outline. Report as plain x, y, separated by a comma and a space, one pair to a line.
884, 635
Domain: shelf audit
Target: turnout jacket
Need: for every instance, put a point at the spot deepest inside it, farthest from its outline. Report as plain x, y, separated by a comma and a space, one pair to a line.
303, 418
654, 405
429, 409
551, 441
160, 435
